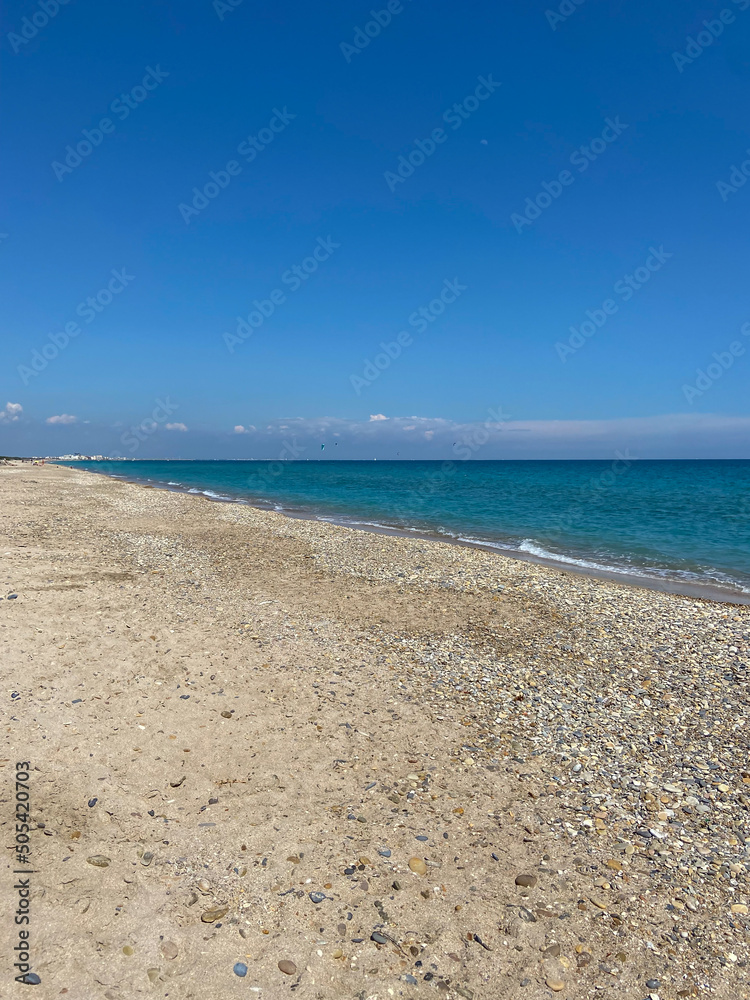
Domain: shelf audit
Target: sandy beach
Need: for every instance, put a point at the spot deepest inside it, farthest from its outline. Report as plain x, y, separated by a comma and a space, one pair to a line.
359, 765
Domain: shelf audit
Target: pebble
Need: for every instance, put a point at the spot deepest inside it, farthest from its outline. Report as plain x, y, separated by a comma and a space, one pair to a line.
418, 866
318, 897
379, 938
240, 969
13, 597
527, 881
226, 715
153, 975
92, 803
287, 967
384, 852
421, 837
147, 858
556, 985
99, 861
31, 978
215, 914
653, 984
169, 950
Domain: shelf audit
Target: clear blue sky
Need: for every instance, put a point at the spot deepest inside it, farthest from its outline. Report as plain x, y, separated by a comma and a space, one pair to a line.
216, 74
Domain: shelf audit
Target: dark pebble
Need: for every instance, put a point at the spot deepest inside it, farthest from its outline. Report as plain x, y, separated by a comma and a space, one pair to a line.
92, 803
412, 980
184, 697
384, 852
31, 979
318, 897
13, 597
380, 938
421, 837
349, 871
240, 970
653, 984
526, 915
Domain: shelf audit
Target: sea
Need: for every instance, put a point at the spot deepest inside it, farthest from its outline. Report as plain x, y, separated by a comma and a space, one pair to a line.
682, 526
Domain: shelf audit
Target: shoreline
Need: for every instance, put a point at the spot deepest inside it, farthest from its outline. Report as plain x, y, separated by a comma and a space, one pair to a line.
361, 764
700, 591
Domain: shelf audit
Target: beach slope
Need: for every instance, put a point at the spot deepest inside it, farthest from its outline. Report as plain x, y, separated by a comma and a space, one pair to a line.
268, 754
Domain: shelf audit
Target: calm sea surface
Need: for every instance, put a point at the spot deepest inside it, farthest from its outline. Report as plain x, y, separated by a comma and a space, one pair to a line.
669, 521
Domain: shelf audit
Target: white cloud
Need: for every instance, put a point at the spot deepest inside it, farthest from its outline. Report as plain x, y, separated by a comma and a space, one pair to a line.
496, 435
62, 418
11, 413
377, 416
176, 427
239, 429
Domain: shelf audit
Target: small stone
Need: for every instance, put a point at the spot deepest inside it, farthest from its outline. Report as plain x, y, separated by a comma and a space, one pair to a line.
127, 950
92, 803
365, 861
153, 975
418, 866
287, 967
422, 837
318, 897
226, 715
204, 886
552, 951
526, 915
213, 802
739, 908
99, 861
379, 938
169, 950
147, 858
176, 784
601, 903
216, 914
555, 985
31, 978
384, 852
341, 928
396, 885
240, 969
526, 881
653, 984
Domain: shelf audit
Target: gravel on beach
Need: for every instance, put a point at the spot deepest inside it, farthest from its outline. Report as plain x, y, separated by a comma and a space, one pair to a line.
359, 765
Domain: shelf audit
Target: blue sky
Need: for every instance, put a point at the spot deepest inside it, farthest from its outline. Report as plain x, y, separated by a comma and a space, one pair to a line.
182, 88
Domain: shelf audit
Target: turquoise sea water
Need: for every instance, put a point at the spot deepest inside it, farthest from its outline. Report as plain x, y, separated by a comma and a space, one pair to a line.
661, 520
